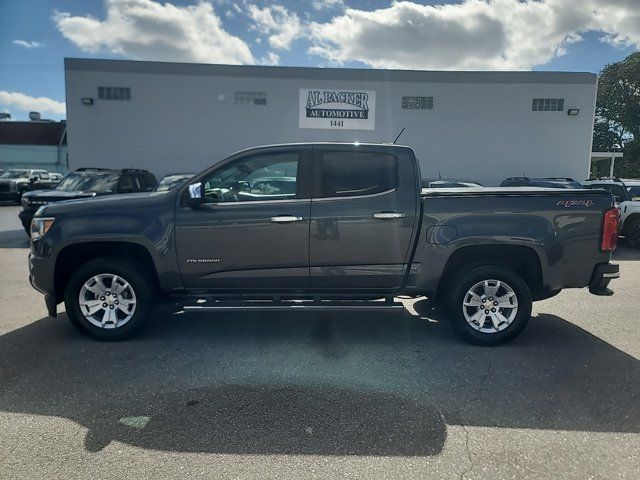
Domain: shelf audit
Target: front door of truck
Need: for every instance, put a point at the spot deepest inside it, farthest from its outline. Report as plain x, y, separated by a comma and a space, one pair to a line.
362, 217
252, 231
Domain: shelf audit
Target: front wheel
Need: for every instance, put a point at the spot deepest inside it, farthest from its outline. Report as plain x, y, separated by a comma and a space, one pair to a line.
108, 299
489, 305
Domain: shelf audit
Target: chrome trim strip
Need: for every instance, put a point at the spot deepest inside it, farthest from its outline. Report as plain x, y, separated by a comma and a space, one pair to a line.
260, 202
386, 192
256, 308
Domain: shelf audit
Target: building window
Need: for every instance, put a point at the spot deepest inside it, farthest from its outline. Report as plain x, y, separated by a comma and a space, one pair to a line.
420, 103
114, 93
251, 98
547, 105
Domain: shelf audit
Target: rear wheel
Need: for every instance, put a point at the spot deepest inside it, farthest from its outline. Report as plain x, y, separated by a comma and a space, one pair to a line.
489, 305
632, 232
108, 299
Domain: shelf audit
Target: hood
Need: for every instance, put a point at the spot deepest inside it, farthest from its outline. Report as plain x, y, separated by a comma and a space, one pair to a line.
53, 195
113, 203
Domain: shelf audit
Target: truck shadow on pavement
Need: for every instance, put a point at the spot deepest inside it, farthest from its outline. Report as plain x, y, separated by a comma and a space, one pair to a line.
306, 383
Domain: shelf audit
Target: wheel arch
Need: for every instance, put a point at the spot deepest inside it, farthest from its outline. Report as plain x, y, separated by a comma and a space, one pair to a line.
74, 255
635, 216
523, 260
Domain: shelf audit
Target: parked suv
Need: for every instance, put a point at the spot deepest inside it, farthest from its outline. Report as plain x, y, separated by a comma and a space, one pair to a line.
84, 183
15, 182
627, 197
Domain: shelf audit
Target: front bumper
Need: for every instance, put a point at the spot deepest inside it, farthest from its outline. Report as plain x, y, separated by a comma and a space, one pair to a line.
25, 217
41, 278
603, 273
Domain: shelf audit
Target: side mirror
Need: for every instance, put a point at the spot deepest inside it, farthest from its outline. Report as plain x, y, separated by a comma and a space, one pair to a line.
196, 195
33, 179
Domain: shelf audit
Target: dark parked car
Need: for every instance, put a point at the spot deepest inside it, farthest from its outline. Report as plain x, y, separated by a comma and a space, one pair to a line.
322, 226
85, 183
545, 182
15, 182
173, 180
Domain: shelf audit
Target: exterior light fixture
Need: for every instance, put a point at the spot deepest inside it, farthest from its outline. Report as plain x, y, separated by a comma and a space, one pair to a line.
573, 111
87, 100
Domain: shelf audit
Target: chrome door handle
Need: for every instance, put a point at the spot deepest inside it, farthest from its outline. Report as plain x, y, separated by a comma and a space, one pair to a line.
286, 219
388, 215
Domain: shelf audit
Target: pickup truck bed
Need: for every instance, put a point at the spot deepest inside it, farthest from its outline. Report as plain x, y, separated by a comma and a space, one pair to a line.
324, 221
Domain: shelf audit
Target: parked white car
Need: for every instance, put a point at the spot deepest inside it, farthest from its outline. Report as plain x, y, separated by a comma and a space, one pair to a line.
627, 195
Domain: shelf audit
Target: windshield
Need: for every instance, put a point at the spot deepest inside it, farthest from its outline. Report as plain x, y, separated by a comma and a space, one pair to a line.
171, 181
15, 174
98, 182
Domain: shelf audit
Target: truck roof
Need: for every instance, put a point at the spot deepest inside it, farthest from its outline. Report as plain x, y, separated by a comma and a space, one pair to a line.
324, 144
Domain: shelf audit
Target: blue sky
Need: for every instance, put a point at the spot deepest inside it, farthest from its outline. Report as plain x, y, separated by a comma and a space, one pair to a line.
36, 35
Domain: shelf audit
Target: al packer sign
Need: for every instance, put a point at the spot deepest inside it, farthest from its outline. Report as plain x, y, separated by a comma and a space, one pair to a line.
337, 109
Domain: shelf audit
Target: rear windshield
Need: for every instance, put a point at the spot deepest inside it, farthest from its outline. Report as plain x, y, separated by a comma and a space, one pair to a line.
98, 182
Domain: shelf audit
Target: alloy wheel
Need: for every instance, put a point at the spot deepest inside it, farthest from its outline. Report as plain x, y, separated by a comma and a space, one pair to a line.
107, 301
490, 306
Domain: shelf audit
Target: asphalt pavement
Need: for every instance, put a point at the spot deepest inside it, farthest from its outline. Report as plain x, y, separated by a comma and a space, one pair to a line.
319, 395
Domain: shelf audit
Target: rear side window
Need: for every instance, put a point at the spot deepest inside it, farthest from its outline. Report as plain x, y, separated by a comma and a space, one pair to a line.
348, 174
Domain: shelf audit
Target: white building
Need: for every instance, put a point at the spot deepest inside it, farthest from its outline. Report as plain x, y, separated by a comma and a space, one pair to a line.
180, 117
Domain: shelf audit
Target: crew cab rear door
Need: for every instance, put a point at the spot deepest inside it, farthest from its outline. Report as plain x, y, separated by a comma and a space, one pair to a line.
363, 216
252, 231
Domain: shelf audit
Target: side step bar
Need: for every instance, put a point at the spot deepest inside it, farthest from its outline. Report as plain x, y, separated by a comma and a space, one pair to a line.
204, 305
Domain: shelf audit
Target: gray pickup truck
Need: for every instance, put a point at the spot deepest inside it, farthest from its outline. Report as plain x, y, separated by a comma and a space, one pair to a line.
321, 226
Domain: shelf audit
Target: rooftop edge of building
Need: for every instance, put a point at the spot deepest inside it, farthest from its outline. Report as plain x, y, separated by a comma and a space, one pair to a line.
316, 73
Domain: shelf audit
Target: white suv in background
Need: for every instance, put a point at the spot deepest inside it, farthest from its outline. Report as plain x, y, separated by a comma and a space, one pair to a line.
627, 195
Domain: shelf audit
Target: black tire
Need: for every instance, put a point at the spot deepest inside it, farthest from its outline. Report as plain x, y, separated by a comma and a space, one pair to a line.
631, 233
464, 280
132, 273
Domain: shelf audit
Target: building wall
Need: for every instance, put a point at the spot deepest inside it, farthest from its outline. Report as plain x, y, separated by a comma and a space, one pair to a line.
33, 156
478, 129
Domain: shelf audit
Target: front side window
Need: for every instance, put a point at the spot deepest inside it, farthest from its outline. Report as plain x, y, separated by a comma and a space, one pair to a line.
271, 176
348, 174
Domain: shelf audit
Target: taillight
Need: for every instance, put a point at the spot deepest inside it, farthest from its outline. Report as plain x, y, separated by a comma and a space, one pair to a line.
610, 230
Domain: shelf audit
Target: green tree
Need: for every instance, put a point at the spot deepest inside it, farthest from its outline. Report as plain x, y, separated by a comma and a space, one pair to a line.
617, 122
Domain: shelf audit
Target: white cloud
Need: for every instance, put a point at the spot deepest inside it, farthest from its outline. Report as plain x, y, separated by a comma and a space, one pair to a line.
282, 26
149, 30
473, 34
322, 4
270, 59
28, 103
28, 44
